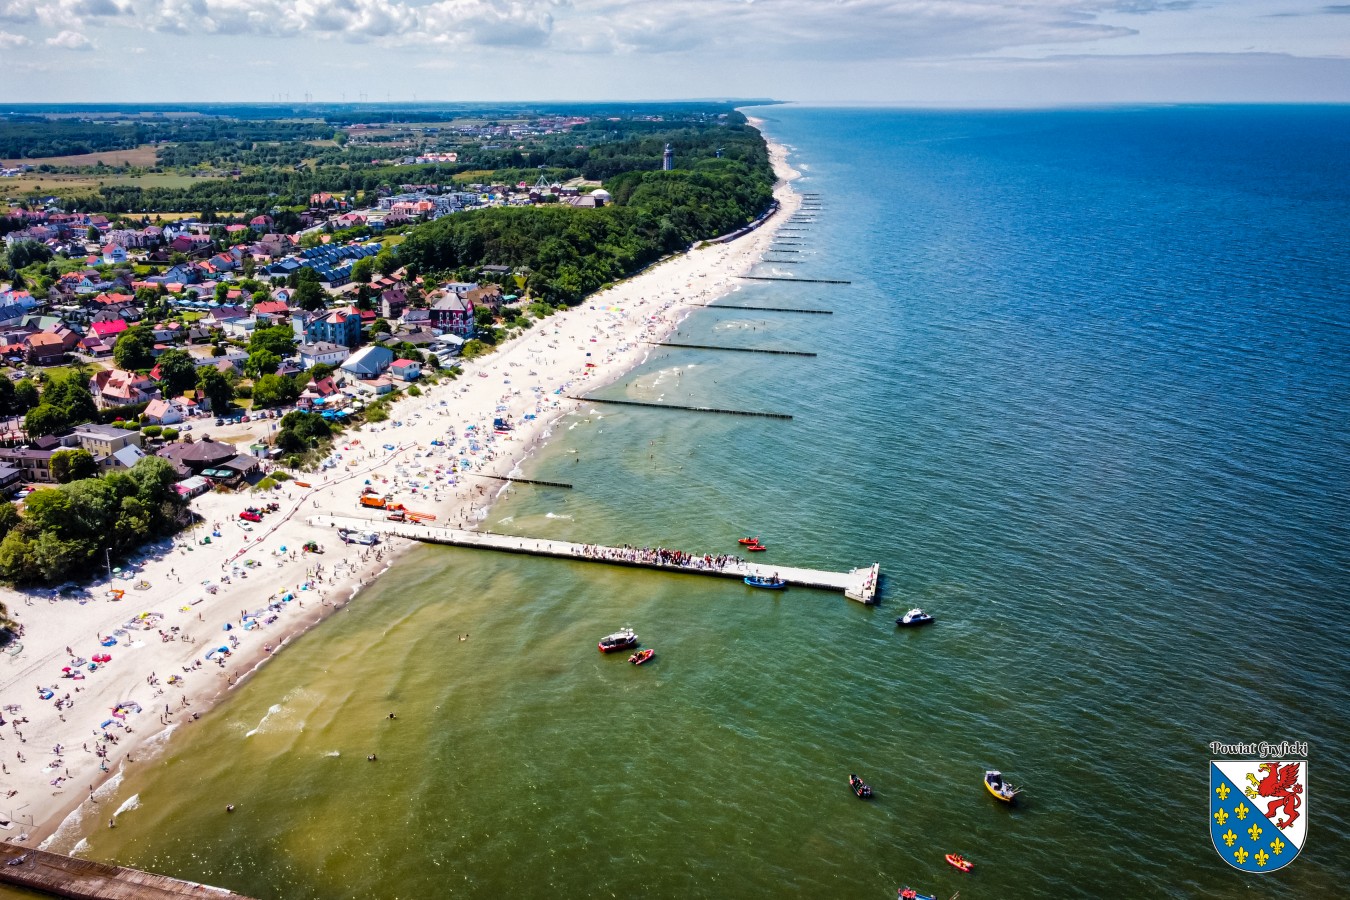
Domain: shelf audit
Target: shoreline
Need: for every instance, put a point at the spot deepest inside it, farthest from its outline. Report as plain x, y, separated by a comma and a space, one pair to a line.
47, 801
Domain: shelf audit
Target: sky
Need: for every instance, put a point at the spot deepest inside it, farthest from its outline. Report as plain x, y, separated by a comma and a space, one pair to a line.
902, 52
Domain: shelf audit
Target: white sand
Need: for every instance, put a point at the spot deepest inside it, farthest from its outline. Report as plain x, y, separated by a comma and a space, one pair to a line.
528, 375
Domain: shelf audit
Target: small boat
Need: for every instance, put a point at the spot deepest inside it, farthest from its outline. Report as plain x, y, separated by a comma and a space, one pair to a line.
860, 787
915, 616
1002, 790
957, 861
619, 640
641, 656
759, 581
756, 548
748, 540
908, 893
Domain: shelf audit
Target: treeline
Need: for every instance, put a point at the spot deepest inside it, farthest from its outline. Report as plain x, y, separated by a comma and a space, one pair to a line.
572, 252
64, 531
28, 138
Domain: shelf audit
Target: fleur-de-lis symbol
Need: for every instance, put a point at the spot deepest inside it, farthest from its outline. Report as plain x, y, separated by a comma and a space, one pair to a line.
1262, 857
1223, 791
1241, 855
1276, 845
1221, 816
1229, 837
1241, 811
1255, 832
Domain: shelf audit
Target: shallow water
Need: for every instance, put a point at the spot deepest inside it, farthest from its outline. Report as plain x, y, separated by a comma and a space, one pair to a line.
1085, 400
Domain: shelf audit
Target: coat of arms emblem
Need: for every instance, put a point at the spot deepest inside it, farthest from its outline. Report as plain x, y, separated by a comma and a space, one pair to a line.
1258, 812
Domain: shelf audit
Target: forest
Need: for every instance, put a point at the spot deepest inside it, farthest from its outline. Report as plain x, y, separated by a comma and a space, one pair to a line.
573, 252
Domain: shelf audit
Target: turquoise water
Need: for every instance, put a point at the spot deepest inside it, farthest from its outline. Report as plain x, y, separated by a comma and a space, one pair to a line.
1085, 400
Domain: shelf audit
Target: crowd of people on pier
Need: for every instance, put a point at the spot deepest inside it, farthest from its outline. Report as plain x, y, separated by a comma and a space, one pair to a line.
661, 556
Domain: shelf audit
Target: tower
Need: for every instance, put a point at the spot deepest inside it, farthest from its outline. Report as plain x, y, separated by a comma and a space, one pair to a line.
668, 159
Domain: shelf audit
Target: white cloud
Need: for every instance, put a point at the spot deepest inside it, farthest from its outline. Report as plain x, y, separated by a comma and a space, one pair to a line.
70, 40
8, 40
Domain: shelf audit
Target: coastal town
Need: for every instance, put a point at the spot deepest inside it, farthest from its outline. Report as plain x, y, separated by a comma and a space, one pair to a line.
250, 386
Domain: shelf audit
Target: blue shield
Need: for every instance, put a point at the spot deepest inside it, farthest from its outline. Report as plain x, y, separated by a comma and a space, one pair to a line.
1258, 812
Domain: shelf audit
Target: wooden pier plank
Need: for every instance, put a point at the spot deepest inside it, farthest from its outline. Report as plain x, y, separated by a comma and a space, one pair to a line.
84, 879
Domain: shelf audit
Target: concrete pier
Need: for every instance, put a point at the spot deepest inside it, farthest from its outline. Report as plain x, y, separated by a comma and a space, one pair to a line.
82, 879
859, 584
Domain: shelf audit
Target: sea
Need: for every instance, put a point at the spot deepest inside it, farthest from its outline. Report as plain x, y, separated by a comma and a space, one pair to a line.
1083, 393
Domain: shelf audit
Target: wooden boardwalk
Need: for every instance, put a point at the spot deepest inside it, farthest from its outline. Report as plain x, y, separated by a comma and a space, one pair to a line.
856, 584
82, 879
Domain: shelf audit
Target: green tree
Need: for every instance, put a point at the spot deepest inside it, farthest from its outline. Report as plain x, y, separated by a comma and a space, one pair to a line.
73, 465
274, 390
261, 362
222, 292
8, 398
134, 349
310, 295
216, 388
43, 420
386, 263
25, 395
279, 339
92, 234
362, 269
177, 372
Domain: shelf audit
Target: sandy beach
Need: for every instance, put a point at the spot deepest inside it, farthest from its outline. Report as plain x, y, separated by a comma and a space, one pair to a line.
72, 725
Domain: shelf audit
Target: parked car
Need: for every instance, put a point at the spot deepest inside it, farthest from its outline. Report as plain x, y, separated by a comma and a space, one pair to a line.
243, 418
249, 516
187, 426
220, 422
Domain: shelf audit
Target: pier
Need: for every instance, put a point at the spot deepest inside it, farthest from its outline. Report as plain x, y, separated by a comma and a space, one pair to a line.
858, 584
801, 280
82, 879
786, 309
731, 349
707, 409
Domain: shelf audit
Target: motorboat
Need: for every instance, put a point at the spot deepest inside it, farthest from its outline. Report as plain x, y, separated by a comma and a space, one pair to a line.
957, 861
641, 656
1002, 790
748, 540
860, 787
908, 893
756, 548
619, 640
773, 583
915, 616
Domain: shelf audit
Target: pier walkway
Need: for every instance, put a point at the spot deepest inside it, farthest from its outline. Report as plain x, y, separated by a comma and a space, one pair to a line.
856, 584
83, 879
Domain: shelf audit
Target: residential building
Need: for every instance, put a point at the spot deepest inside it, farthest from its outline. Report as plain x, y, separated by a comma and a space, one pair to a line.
118, 387
369, 362
454, 314
105, 440
36, 465
406, 369
162, 412
339, 326
312, 355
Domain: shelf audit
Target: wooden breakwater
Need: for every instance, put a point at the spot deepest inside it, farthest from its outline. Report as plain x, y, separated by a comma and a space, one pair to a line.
860, 584
801, 280
730, 349
786, 309
83, 879
675, 406
535, 481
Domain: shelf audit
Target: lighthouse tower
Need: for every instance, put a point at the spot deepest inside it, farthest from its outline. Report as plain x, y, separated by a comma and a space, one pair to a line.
668, 159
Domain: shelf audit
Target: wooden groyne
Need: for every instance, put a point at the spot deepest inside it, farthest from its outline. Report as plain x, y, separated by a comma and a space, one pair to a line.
781, 250
783, 262
83, 879
860, 584
707, 409
800, 280
730, 349
786, 309
557, 484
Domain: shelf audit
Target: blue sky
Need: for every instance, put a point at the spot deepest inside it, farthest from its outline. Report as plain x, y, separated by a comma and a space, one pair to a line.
963, 52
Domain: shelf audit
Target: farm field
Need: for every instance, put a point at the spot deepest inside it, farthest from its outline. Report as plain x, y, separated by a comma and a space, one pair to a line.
43, 183
143, 156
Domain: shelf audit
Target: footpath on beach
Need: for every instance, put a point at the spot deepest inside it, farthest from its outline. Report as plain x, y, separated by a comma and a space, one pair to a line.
101, 676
